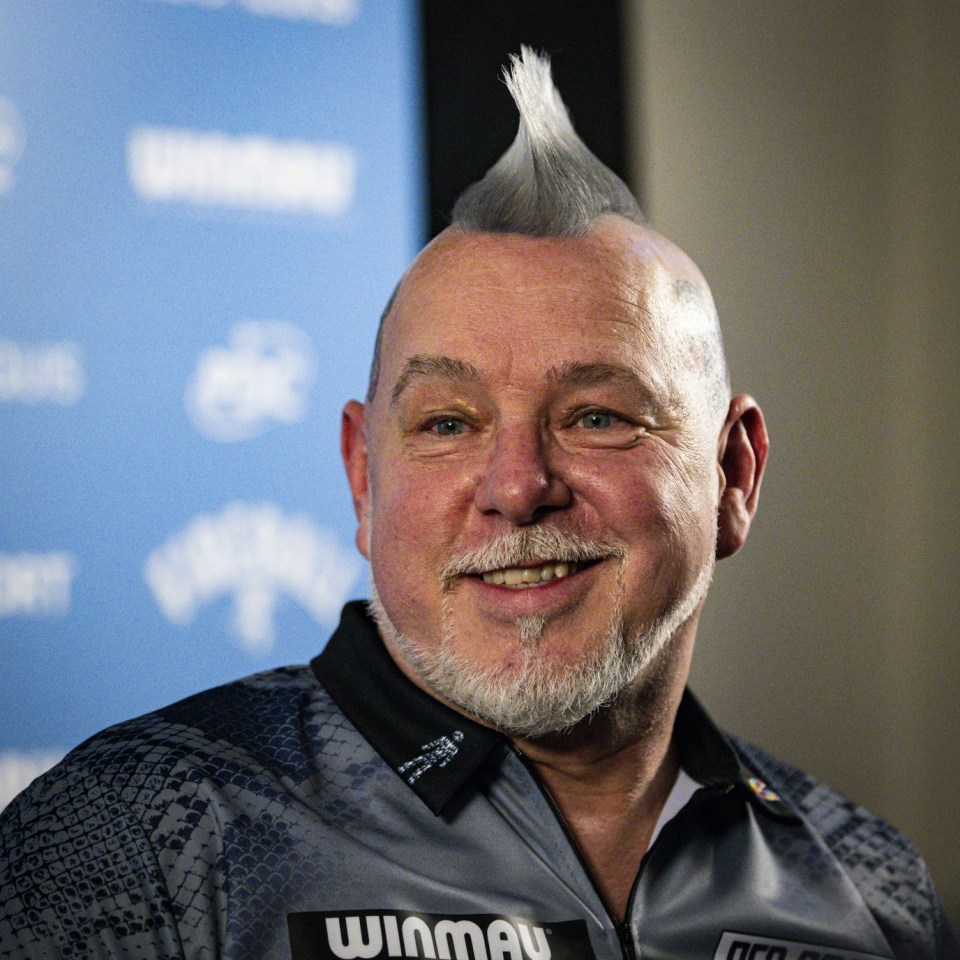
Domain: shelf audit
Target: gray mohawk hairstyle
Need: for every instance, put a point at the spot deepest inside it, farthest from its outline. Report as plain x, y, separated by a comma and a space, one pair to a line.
548, 183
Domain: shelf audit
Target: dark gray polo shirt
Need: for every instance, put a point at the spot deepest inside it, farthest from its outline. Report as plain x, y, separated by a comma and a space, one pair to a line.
338, 811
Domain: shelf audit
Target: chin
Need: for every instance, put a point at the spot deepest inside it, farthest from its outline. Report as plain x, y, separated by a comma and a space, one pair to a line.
533, 689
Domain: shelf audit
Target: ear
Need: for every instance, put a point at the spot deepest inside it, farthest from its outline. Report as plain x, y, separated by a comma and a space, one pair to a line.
353, 449
741, 458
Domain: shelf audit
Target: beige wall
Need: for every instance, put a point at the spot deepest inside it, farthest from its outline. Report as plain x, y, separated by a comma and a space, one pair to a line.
807, 154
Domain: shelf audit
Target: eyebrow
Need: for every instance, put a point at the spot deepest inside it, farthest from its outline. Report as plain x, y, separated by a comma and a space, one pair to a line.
593, 374
582, 374
422, 366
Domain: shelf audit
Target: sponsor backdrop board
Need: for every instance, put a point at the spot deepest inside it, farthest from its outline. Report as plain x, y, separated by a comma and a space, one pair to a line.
204, 205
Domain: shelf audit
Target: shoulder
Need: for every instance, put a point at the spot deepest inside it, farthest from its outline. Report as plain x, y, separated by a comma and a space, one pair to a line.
125, 837
883, 863
257, 723
180, 765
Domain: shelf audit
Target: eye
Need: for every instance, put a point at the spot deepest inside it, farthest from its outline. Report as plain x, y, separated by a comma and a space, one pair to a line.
596, 420
447, 427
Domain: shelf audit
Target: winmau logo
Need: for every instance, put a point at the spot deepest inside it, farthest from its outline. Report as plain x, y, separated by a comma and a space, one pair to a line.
255, 553
337, 13
263, 377
373, 936
12, 140
249, 173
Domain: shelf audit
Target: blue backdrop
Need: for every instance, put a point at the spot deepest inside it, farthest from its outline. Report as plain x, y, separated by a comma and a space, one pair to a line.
204, 205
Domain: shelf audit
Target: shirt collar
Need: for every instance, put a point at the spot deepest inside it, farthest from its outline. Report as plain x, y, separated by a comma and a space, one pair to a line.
432, 748
708, 756
438, 751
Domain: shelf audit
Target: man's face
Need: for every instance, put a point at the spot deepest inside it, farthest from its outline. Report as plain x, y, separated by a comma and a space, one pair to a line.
536, 475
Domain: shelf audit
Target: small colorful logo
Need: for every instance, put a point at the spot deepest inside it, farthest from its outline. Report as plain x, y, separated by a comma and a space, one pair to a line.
760, 788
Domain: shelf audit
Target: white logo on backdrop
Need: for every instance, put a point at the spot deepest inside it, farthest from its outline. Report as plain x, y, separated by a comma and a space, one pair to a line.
19, 768
336, 12
12, 140
36, 584
211, 168
254, 552
263, 377
51, 372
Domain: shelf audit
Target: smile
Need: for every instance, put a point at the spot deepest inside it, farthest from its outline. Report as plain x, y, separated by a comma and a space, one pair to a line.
521, 577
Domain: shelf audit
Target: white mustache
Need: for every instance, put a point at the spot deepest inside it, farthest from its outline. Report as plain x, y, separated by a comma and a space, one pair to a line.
529, 545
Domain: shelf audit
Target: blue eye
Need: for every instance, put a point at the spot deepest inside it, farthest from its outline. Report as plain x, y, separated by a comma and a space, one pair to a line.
596, 420
449, 427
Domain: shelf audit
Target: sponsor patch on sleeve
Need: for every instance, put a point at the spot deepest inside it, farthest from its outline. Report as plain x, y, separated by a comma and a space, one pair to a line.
372, 935
748, 946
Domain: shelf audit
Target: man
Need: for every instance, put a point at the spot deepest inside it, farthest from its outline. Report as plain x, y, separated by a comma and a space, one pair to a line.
505, 764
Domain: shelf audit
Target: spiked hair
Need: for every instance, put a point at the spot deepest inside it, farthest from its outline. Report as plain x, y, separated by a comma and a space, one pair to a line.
548, 183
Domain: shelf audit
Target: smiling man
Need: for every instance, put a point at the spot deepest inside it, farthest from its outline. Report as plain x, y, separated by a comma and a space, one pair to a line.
498, 760
563, 474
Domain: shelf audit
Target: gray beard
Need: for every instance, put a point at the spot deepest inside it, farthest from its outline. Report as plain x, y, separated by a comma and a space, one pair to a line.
537, 696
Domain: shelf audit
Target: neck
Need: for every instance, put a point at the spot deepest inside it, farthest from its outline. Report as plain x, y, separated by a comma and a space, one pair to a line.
611, 775
634, 731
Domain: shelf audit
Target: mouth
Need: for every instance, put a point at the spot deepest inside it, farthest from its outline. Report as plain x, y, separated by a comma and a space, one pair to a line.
521, 578
538, 557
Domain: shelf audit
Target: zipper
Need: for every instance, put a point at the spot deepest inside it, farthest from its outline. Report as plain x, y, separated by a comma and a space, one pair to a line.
627, 946
699, 799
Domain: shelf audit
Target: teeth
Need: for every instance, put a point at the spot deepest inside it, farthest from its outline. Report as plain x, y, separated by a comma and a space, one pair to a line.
520, 577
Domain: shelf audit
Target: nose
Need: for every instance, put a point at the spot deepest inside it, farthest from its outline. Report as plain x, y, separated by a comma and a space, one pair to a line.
519, 482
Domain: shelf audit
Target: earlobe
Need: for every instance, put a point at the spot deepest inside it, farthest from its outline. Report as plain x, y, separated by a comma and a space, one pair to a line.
353, 449
742, 456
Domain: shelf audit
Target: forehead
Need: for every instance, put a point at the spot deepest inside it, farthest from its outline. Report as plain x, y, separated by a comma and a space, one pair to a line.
493, 299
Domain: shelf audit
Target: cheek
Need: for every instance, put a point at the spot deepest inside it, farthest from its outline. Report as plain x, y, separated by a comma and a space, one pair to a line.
414, 517
690, 518
393, 512
633, 498
396, 557
659, 508
682, 504
415, 526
